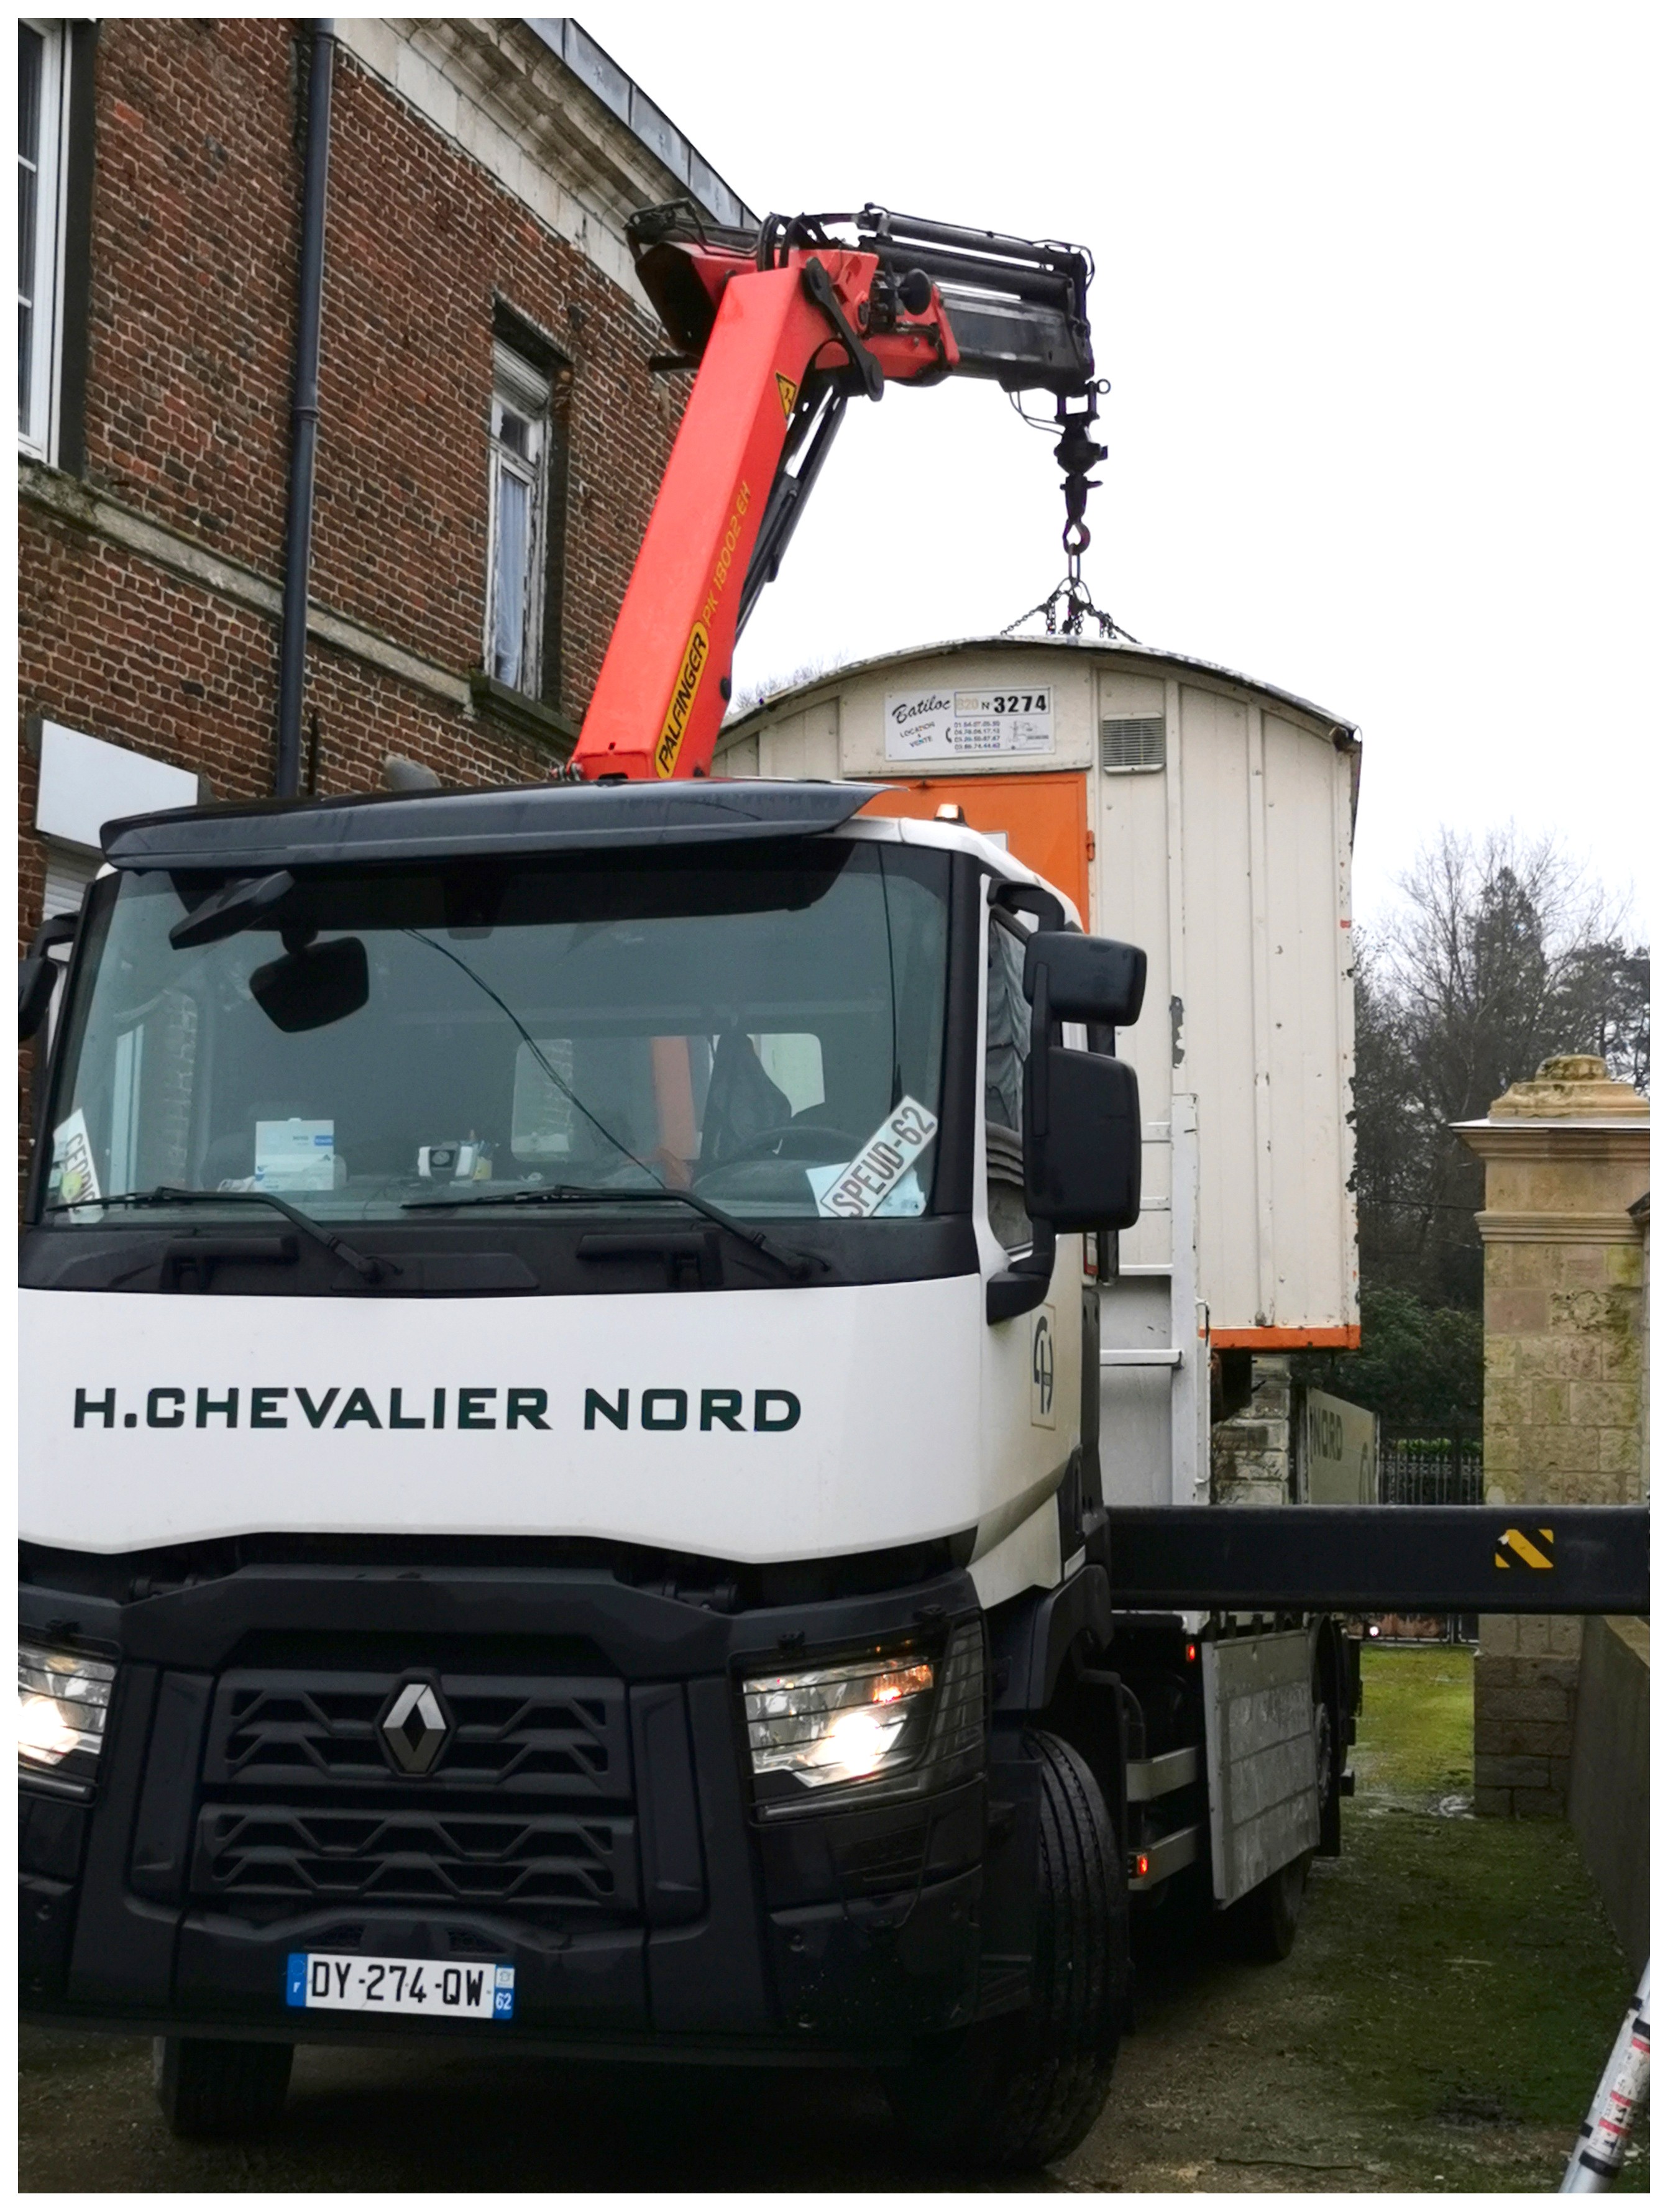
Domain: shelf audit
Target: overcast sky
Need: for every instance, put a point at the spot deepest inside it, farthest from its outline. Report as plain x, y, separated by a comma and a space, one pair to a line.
1376, 295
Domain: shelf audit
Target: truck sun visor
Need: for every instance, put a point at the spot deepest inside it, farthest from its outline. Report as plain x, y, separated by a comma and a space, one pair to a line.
438, 826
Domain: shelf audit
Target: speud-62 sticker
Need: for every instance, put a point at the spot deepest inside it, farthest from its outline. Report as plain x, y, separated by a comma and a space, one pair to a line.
863, 1186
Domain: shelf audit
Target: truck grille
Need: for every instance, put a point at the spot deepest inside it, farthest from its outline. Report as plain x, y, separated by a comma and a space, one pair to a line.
526, 1808
305, 1856
512, 1734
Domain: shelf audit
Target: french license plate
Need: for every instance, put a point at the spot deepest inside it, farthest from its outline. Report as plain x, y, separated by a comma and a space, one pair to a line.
329, 1981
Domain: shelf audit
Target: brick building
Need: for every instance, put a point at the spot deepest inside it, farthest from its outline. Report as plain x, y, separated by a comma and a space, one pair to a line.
490, 433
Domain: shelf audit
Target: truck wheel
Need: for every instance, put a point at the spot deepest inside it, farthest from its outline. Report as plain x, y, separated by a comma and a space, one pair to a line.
1262, 1925
1025, 2088
207, 2087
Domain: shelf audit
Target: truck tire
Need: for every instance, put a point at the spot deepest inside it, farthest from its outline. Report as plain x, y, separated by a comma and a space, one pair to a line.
208, 2088
1262, 1925
1326, 1780
1025, 2088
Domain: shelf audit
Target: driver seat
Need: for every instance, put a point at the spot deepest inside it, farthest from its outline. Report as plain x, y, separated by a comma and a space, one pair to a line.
742, 1101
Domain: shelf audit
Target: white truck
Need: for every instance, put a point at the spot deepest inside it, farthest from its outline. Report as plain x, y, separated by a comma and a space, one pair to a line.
561, 1503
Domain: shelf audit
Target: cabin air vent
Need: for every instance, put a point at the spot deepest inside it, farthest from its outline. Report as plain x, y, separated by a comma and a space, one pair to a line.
1132, 741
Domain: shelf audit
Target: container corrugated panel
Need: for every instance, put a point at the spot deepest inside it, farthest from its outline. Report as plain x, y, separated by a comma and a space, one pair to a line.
1219, 813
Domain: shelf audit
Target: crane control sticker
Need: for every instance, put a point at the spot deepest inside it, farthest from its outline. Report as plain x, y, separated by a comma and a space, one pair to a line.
951, 725
883, 1171
682, 704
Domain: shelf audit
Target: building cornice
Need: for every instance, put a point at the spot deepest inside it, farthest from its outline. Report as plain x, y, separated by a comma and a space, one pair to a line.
506, 93
1571, 1139
627, 100
1499, 1228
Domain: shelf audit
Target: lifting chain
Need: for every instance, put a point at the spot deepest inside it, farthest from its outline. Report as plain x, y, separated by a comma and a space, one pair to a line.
1065, 609
1069, 604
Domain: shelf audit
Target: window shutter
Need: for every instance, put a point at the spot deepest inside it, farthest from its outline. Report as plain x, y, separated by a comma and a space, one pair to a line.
69, 871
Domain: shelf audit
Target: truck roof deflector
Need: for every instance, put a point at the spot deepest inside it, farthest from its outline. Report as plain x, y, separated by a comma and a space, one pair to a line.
436, 826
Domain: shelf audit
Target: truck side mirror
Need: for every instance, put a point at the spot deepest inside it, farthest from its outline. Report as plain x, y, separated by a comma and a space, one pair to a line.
1082, 1133
37, 975
1093, 979
1083, 1168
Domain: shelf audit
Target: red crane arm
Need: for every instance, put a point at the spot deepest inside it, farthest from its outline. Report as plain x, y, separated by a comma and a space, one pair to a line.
665, 680
786, 324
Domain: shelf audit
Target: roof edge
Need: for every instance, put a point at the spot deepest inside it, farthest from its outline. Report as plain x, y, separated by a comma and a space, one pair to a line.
803, 694
647, 122
369, 829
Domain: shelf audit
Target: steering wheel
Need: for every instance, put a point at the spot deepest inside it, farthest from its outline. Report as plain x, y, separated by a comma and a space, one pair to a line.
803, 1140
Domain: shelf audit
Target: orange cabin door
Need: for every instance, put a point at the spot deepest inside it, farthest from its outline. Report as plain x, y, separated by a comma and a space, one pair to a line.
1045, 818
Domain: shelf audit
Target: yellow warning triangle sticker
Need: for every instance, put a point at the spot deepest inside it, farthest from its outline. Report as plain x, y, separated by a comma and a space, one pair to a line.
788, 392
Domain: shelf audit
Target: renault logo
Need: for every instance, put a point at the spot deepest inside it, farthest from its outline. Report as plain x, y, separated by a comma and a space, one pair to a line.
414, 1728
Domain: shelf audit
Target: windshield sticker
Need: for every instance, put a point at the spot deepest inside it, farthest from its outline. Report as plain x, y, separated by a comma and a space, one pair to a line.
903, 1200
75, 1171
294, 1156
882, 1170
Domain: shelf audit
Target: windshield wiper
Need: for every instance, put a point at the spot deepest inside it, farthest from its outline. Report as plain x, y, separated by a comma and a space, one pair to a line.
370, 1270
795, 1264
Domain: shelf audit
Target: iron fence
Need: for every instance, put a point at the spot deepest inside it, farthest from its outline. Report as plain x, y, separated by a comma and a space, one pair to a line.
1430, 1469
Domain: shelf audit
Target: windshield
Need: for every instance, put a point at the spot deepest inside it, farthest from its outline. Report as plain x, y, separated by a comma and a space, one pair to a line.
766, 1032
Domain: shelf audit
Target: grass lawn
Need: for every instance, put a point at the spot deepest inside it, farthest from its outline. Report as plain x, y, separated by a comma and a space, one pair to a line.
1498, 1986
1441, 2024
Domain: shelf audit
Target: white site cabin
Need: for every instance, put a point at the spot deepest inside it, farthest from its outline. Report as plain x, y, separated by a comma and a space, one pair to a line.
1207, 819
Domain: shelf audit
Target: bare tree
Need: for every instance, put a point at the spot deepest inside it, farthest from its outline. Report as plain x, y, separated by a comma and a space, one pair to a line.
1504, 952
754, 695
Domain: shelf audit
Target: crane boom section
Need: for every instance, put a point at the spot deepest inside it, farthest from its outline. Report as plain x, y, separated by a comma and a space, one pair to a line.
783, 327
783, 339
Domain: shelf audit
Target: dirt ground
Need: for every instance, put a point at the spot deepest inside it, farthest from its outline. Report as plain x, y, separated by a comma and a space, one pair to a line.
1440, 2026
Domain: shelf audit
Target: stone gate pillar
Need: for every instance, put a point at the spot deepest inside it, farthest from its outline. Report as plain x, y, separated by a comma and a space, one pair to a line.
1567, 1155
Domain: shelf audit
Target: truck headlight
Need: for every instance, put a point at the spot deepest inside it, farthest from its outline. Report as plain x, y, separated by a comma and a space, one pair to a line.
62, 1702
890, 1713
836, 1724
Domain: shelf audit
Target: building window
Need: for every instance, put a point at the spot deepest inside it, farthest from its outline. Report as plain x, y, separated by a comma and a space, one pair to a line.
516, 521
40, 141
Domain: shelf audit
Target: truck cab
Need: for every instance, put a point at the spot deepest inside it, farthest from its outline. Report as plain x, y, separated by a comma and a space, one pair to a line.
560, 1497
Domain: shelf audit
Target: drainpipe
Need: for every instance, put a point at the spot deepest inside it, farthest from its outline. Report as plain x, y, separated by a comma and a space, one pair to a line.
304, 416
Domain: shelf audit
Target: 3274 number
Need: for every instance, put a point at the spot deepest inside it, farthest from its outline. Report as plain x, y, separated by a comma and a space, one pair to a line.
1019, 702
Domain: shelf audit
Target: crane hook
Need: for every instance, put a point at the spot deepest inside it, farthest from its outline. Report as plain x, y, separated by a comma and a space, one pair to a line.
1077, 453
